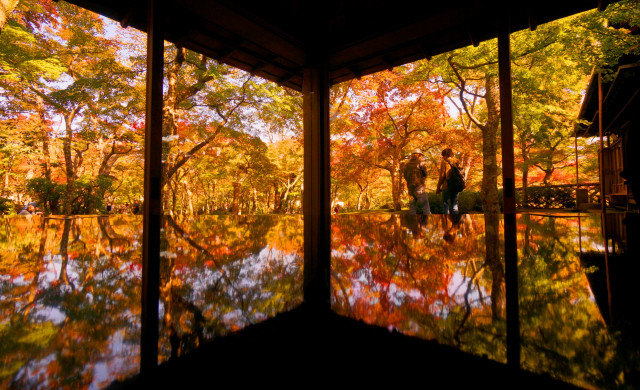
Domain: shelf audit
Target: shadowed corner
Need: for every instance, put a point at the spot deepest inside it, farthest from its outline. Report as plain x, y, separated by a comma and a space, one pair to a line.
322, 347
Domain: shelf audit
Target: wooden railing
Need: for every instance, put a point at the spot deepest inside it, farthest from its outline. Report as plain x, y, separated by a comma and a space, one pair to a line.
559, 196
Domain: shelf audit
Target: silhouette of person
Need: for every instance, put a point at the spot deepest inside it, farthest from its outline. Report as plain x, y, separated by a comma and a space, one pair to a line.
415, 173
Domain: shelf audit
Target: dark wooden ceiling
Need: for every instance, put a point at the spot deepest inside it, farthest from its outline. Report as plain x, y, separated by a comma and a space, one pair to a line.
275, 39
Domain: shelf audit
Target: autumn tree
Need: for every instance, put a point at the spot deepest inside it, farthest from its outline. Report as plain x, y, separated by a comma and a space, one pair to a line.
386, 117
72, 73
549, 66
6, 6
206, 99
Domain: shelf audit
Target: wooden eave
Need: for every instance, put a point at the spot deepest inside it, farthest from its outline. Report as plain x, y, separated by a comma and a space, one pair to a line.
277, 39
621, 95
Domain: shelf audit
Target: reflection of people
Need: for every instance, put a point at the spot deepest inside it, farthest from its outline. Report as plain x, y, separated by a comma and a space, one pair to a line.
336, 210
449, 197
136, 207
29, 209
415, 172
451, 226
417, 224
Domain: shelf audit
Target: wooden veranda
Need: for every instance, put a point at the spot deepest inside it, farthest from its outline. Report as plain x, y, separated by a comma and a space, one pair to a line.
309, 46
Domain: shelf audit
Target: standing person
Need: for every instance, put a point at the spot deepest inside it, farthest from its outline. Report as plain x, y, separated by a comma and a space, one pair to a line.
448, 165
415, 172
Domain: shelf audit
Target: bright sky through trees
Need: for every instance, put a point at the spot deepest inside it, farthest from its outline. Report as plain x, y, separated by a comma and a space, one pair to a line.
72, 118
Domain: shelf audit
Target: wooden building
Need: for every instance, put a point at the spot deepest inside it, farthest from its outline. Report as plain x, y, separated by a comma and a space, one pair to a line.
308, 46
612, 109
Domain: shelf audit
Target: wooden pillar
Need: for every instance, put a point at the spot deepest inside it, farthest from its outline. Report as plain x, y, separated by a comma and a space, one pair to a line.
152, 190
575, 145
316, 196
508, 178
603, 202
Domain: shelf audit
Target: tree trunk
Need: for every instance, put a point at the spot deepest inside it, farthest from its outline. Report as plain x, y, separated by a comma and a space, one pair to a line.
254, 201
525, 185
235, 203
490, 202
396, 184
170, 112
525, 173
492, 260
44, 133
277, 201
68, 160
64, 245
547, 176
5, 186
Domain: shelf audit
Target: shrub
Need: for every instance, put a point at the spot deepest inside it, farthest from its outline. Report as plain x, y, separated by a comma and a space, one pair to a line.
6, 206
468, 201
87, 198
549, 197
46, 194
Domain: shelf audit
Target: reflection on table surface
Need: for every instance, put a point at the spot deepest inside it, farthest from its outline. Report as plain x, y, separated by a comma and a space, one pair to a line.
442, 278
70, 288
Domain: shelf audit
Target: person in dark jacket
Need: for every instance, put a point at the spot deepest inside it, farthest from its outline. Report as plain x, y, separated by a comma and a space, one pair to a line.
449, 196
415, 173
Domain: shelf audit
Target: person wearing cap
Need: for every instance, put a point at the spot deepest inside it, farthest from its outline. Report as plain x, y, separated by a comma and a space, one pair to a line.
29, 209
415, 173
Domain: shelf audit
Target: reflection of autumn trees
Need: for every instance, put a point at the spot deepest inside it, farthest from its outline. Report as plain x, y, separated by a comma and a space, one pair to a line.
70, 302
401, 271
70, 289
69, 314
220, 274
433, 277
562, 330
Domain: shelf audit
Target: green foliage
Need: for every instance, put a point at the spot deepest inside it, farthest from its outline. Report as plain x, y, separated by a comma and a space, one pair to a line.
549, 197
88, 196
6, 206
46, 194
468, 202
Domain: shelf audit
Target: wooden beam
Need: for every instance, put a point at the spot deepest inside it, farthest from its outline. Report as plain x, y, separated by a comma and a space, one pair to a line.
355, 71
475, 42
259, 66
426, 51
285, 78
316, 195
575, 144
124, 22
509, 199
152, 221
533, 22
388, 63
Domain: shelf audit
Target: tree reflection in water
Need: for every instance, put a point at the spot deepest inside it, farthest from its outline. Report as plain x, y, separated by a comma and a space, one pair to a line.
70, 289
